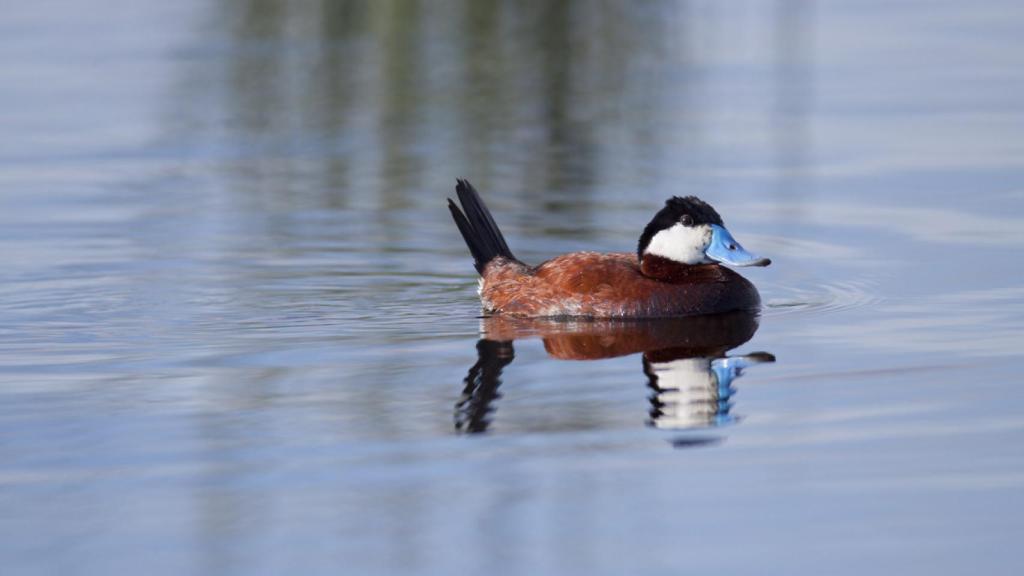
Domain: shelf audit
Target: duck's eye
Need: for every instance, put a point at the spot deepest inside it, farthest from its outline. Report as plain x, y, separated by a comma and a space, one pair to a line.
686, 220
732, 246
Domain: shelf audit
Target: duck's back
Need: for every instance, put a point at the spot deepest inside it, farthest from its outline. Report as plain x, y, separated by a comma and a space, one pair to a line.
590, 284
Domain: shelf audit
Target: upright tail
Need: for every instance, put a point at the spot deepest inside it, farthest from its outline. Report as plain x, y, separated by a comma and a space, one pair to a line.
477, 227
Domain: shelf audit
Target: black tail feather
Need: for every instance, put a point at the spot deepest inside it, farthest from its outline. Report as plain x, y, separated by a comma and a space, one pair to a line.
477, 227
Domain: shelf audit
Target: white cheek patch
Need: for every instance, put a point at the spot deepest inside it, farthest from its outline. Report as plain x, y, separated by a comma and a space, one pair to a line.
685, 244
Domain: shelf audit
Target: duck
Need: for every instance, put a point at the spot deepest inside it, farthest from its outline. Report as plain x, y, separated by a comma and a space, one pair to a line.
677, 269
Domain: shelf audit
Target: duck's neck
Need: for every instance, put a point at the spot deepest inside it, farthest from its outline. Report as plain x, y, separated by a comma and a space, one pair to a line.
665, 270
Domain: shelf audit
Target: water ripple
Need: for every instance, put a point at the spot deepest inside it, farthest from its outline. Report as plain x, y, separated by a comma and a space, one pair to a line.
822, 298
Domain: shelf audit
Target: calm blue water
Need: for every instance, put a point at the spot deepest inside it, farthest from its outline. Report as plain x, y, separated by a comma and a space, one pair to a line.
239, 333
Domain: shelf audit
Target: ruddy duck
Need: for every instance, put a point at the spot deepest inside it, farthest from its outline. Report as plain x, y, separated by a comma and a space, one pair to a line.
675, 271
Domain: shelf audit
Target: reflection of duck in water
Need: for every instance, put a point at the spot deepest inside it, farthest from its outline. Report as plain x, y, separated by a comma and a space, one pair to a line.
684, 360
675, 271
695, 392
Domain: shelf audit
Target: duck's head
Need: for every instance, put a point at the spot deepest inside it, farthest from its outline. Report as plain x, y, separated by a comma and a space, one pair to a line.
689, 231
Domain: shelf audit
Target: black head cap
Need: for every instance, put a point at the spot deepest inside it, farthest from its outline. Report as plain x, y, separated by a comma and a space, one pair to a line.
690, 211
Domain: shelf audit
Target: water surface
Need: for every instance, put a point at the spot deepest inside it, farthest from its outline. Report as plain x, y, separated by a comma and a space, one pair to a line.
238, 330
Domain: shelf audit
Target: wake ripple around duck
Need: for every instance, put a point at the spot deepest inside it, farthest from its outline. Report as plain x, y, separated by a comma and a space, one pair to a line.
820, 299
